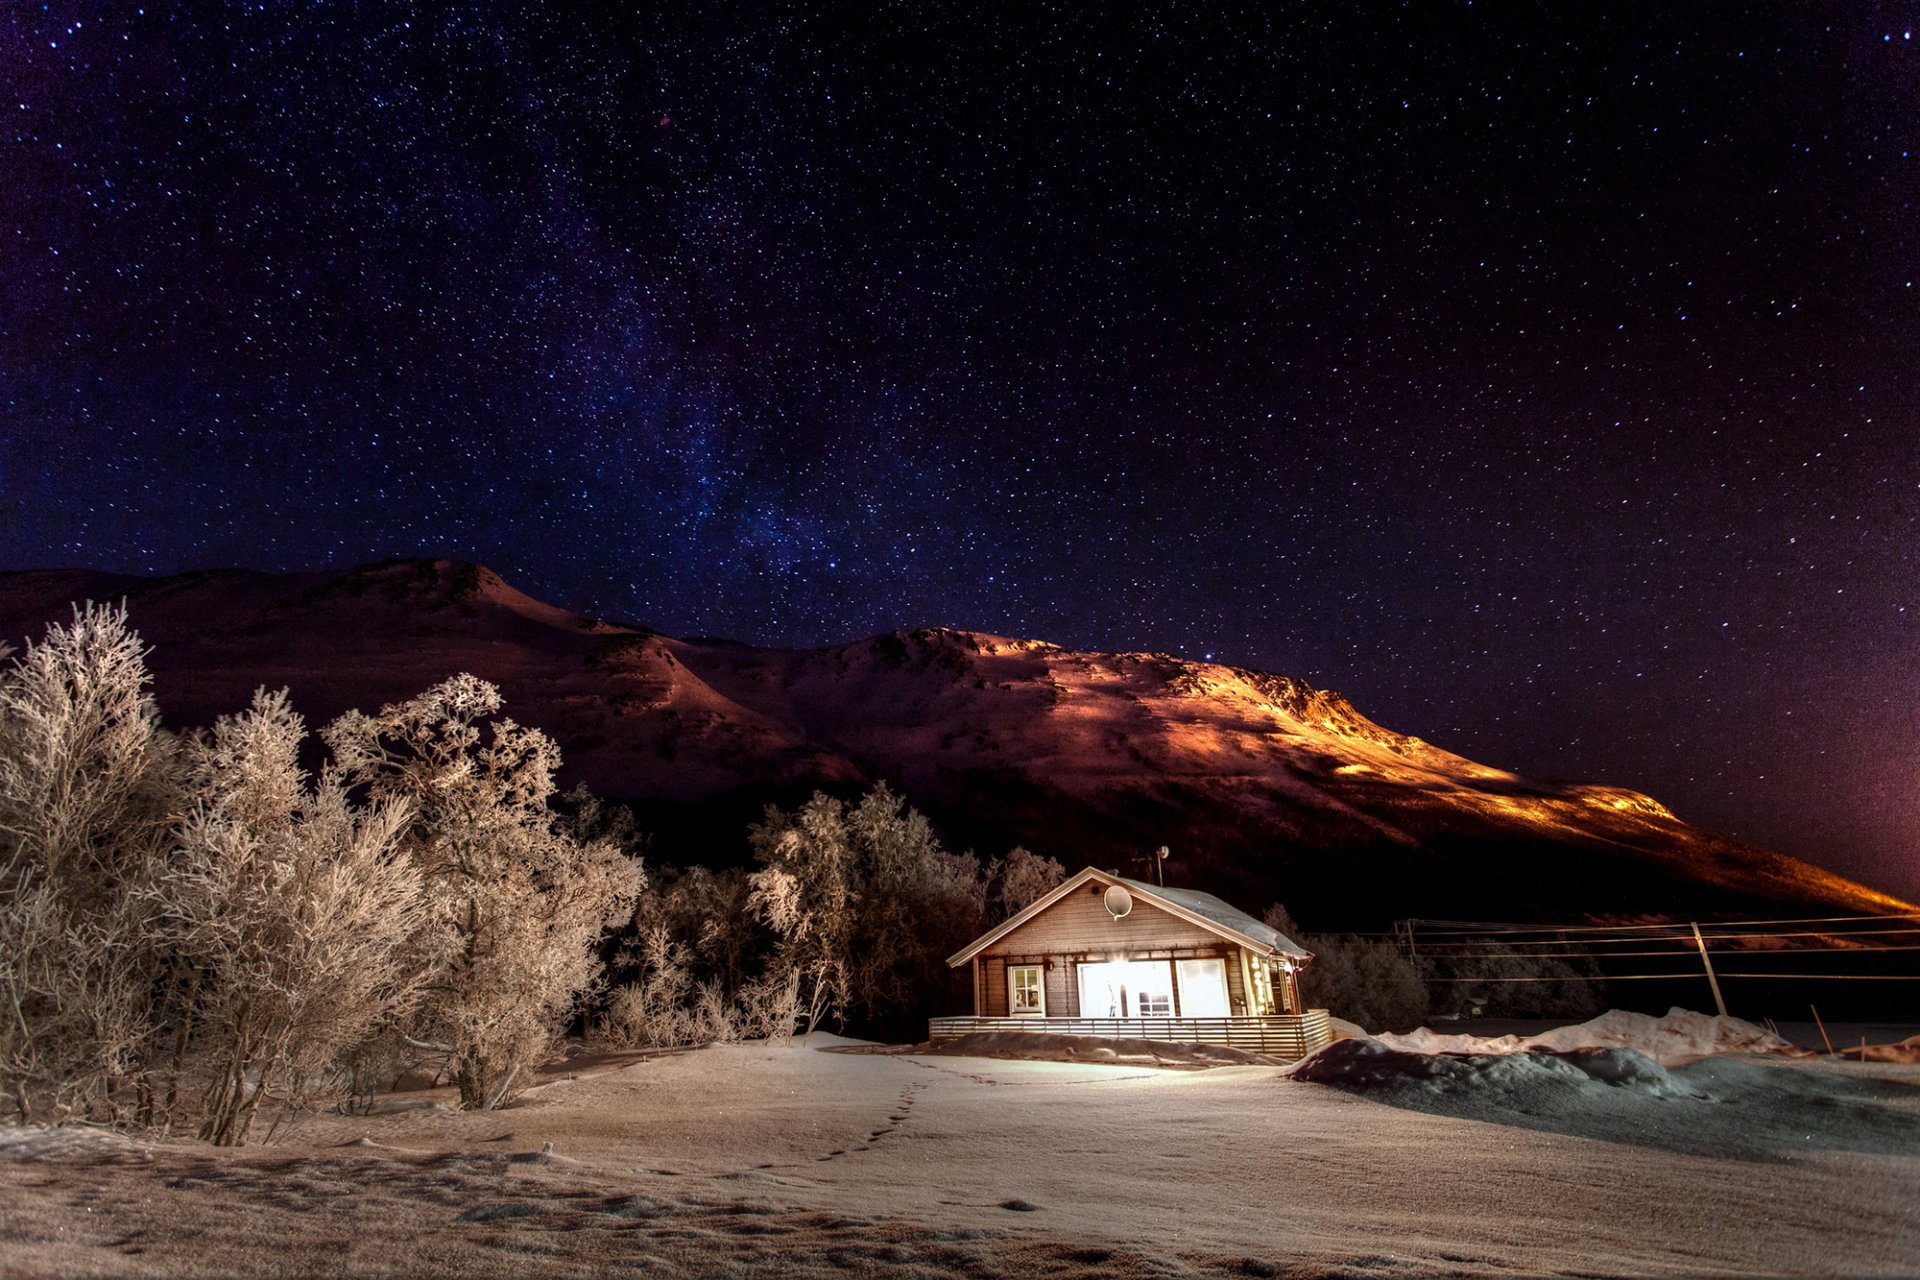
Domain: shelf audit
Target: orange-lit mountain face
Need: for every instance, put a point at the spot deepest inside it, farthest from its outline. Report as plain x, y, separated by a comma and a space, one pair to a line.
1265, 788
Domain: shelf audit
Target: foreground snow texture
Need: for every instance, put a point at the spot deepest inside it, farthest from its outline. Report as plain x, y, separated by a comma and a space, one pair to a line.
833, 1158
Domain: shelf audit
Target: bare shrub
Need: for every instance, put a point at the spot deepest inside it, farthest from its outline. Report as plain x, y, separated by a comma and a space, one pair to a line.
522, 901
376, 1065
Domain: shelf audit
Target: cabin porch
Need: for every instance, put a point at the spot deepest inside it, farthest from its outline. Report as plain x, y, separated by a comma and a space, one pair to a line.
1284, 1035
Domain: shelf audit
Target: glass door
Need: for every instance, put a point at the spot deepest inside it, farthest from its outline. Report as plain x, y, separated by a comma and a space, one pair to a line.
1203, 989
1126, 989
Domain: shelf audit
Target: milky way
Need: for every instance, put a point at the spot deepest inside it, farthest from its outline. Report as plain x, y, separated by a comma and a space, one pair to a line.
1544, 378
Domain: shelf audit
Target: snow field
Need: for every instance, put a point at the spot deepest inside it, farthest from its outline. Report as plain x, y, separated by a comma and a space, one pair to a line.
833, 1158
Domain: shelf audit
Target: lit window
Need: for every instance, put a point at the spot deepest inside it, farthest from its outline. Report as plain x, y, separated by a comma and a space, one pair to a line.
1153, 1004
1026, 996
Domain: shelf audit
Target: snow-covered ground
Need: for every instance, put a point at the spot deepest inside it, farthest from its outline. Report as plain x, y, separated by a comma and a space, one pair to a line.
832, 1158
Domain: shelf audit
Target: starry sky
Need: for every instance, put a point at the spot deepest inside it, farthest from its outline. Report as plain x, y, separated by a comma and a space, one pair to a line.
1543, 377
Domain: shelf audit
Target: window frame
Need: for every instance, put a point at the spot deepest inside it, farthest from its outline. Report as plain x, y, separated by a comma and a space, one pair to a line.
1039, 988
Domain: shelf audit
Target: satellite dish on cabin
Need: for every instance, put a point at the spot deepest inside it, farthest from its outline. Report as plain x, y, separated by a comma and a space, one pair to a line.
1118, 901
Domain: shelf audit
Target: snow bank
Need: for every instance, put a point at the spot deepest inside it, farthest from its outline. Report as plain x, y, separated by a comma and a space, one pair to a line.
1771, 1108
1049, 1047
1522, 1080
1678, 1035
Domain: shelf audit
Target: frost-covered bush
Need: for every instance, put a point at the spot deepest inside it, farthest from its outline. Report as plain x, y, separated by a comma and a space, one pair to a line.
293, 913
658, 1007
520, 902
87, 782
664, 1006
770, 1007
204, 915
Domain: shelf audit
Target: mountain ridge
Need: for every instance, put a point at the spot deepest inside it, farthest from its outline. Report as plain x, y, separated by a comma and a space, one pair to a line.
1268, 787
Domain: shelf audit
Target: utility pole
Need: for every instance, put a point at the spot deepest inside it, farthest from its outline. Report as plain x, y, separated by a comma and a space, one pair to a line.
1707, 960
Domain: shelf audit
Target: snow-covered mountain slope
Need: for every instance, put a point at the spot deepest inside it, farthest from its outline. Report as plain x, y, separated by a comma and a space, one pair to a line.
1266, 789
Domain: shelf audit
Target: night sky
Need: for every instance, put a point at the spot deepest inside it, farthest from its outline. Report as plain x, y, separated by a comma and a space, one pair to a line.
1542, 377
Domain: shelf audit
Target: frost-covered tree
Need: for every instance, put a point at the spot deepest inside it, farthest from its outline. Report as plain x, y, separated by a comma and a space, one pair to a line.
1023, 879
694, 972
707, 910
865, 902
521, 901
87, 780
1363, 980
301, 923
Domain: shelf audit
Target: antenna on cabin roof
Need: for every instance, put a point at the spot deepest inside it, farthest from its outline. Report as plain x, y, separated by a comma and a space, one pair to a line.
1159, 860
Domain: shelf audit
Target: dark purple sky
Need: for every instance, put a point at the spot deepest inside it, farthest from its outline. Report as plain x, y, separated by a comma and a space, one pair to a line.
1542, 377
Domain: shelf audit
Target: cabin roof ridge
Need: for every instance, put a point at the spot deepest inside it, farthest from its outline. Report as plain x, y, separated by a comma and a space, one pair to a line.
1192, 905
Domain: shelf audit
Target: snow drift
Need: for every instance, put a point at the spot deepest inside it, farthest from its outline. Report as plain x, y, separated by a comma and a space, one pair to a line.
1519, 1079
1674, 1037
1625, 1077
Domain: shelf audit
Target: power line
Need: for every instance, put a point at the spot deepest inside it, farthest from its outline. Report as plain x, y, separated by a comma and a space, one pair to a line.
1489, 927
1446, 943
1451, 945
1831, 977
1696, 974
1738, 953
1574, 977
1812, 933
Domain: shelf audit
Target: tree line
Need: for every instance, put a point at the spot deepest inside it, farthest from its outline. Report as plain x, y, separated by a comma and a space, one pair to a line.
194, 929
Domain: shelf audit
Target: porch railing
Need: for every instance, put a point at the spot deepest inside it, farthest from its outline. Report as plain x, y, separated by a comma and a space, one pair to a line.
1284, 1035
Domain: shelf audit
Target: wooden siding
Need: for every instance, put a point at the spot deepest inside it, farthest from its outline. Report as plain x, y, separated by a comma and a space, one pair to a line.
1078, 928
1282, 1035
1079, 925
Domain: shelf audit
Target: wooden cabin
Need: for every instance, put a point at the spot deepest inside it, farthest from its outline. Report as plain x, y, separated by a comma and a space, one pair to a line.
1109, 956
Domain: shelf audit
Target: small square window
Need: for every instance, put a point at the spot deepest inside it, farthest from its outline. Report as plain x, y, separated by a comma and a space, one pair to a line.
1026, 991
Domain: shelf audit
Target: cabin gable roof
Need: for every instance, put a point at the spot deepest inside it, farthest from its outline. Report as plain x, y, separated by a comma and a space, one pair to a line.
1190, 905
